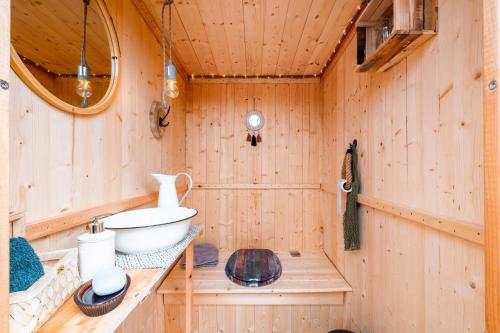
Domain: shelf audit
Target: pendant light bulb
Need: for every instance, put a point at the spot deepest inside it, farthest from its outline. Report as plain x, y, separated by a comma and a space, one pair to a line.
84, 87
170, 87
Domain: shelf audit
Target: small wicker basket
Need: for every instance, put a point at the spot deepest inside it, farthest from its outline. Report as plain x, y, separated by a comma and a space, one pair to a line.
29, 309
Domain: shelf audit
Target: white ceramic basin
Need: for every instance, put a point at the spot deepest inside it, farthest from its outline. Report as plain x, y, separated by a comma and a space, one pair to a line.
150, 229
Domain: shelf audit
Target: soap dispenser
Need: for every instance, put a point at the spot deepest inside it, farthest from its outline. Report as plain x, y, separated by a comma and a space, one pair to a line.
96, 250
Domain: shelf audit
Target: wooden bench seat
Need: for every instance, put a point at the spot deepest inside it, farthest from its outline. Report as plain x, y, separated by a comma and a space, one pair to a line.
308, 279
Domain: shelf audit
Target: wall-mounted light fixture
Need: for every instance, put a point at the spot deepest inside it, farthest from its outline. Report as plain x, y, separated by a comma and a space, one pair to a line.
84, 88
254, 121
170, 88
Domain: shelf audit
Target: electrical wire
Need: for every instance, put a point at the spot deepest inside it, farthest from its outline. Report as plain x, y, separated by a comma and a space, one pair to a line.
84, 41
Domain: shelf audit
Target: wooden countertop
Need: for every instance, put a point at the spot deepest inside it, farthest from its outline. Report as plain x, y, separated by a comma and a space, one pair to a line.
69, 318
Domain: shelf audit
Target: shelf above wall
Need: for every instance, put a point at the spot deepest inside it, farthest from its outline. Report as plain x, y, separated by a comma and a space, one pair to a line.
393, 50
408, 24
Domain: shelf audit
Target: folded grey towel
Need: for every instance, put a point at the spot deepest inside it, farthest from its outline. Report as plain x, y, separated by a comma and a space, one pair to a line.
204, 255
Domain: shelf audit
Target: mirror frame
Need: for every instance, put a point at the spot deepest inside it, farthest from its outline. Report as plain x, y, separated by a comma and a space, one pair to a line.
249, 125
30, 80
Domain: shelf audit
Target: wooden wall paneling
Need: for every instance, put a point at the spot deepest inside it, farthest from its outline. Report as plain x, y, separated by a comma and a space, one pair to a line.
327, 165
246, 202
281, 229
241, 147
211, 104
268, 145
424, 125
491, 33
295, 163
423, 129
261, 318
71, 219
4, 168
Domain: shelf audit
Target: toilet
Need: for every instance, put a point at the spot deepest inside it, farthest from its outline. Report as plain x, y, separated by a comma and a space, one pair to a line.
253, 267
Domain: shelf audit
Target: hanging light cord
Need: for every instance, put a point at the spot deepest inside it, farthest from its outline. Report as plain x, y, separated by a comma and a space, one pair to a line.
169, 3
84, 42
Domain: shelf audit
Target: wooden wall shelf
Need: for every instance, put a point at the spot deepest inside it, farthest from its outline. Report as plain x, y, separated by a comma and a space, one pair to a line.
410, 23
392, 51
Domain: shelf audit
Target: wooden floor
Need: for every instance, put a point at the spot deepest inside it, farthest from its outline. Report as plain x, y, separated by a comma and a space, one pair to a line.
310, 296
309, 279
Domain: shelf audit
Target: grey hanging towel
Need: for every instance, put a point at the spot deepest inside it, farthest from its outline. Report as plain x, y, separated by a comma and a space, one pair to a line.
351, 223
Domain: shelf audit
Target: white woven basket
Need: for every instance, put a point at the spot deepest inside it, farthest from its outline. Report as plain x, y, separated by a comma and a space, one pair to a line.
29, 309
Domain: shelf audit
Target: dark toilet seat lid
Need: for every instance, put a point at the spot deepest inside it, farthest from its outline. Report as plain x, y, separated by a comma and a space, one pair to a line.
253, 267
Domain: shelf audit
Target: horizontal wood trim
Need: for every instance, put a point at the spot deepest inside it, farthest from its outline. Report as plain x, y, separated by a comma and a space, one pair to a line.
255, 80
68, 220
461, 229
258, 299
256, 187
16, 216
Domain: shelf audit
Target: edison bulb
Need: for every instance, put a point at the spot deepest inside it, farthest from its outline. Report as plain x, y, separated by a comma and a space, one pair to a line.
84, 88
170, 89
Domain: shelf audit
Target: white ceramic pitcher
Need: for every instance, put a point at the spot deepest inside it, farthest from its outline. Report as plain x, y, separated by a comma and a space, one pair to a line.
168, 192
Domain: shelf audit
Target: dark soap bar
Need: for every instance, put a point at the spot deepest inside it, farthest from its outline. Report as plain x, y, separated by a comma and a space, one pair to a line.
253, 267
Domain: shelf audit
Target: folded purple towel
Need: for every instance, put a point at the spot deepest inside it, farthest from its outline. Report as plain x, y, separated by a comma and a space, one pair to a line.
204, 255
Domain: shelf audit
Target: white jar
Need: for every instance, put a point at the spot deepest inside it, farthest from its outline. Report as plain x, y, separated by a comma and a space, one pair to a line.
96, 250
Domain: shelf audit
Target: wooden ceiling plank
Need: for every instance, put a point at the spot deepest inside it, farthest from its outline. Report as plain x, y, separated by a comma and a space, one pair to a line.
182, 45
296, 17
315, 24
235, 34
257, 37
153, 21
213, 20
274, 25
343, 11
253, 14
191, 20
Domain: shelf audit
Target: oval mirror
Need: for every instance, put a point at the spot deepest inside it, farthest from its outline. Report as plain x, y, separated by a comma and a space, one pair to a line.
46, 49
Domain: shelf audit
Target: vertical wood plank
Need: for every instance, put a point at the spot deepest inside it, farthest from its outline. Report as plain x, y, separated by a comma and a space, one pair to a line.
4, 167
491, 109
